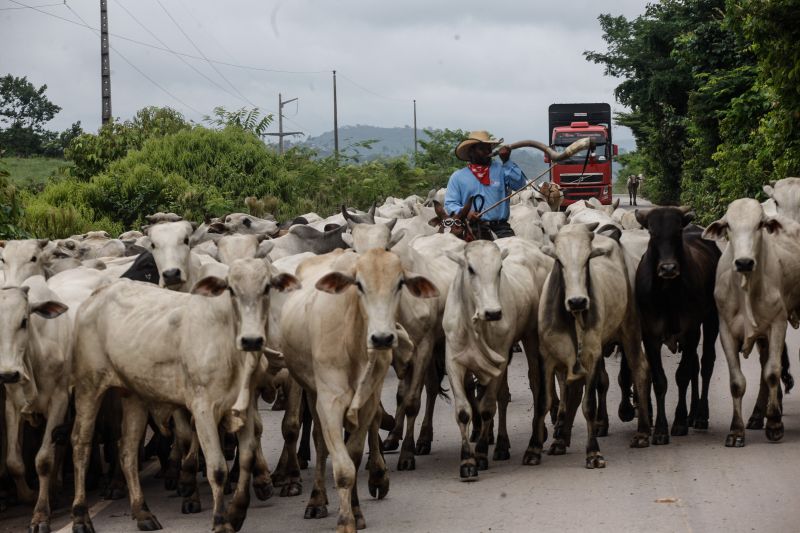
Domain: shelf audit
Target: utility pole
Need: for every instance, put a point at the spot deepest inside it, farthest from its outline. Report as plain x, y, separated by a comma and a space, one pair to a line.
335, 120
415, 128
281, 134
105, 63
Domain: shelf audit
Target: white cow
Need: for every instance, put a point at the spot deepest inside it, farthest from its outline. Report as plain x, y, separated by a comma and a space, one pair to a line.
586, 308
35, 358
492, 304
338, 342
205, 346
757, 291
526, 222
23, 259
785, 195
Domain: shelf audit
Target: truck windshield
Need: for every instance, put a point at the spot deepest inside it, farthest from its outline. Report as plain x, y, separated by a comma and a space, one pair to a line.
565, 138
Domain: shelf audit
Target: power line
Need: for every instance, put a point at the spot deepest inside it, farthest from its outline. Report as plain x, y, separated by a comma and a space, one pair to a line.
134, 67
29, 7
373, 93
221, 75
183, 60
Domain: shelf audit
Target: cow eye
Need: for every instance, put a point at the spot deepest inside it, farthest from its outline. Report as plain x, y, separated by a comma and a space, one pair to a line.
230, 290
33, 259
153, 245
186, 241
470, 270
24, 324
267, 288
400, 284
359, 286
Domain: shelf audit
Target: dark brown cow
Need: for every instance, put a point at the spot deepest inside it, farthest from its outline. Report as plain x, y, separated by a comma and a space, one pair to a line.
675, 297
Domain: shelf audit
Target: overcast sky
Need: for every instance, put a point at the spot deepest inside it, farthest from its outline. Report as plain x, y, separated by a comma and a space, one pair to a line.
469, 64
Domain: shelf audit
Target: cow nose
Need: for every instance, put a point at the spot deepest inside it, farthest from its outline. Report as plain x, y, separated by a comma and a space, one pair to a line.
9, 377
492, 316
578, 303
252, 344
382, 340
744, 265
171, 276
668, 270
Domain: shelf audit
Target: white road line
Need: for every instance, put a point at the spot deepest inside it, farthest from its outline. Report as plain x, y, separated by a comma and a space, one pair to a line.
102, 504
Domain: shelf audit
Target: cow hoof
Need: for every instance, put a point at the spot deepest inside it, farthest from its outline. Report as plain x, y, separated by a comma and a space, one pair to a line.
148, 524
483, 463
316, 511
469, 471
263, 491
41, 527
595, 461
237, 520
224, 528
303, 463
378, 484
600, 431
423, 447
85, 527
701, 424
360, 522
679, 430
734, 441
191, 507
532, 458
774, 432
626, 412
391, 444
557, 448
501, 454
755, 422
640, 440
291, 489
660, 438
406, 463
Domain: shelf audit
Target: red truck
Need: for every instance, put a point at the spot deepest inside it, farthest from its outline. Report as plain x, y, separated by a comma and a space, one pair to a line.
581, 178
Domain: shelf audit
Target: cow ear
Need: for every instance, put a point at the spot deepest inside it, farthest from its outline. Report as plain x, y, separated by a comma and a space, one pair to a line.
768, 190
216, 227
397, 236
285, 282
48, 309
504, 253
439, 209
641, 217
610, 230
42, 242
549, 250
435, 222
331, 227
615, 204
716, 230
264, 248
210, 286
334, 282
347, 238
421, 287
391, 224
592, 225
456, 257
598, 251
772, 225
688, 215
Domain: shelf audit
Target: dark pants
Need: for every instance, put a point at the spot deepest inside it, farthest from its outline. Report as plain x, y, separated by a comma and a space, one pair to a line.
500, 228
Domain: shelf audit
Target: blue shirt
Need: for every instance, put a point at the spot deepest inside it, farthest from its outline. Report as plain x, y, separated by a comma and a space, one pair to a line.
503, 178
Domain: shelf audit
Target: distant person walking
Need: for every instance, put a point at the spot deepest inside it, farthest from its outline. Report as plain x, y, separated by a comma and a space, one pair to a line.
633, 187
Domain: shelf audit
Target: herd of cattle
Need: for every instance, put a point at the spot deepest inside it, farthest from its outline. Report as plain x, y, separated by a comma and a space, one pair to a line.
182, 328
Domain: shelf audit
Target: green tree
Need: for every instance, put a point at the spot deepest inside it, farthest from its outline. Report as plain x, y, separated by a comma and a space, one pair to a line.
439, 149
24, 110
247, 119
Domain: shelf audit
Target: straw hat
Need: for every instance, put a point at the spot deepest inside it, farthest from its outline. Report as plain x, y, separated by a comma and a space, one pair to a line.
474, 137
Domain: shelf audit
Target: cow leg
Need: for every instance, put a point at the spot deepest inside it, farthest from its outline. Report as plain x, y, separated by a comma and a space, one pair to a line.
14, 462
738, 385
134, 423
355, 448
562, 432
216, 468
474, 392
639, 371
756, 420
601, 386
786, 377
392, 441
88, 399
487, 406
317, 503
333, 400
710, 334
772, 376
262, 481
412, 401
378, 473
237, 508
456, 373
589, 405
626, 412
661, 431
304, 451
543, 396
684, 375
432, 390
502, 447
45, 462
287, 474
187, 481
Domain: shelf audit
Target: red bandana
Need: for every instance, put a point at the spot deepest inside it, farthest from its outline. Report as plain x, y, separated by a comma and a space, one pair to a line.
481, 172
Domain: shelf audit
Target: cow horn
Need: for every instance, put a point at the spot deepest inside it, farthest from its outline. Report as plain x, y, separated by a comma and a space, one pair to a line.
585, 143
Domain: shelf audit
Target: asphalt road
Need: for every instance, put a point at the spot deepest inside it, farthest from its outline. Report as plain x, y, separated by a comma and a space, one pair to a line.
692, 484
